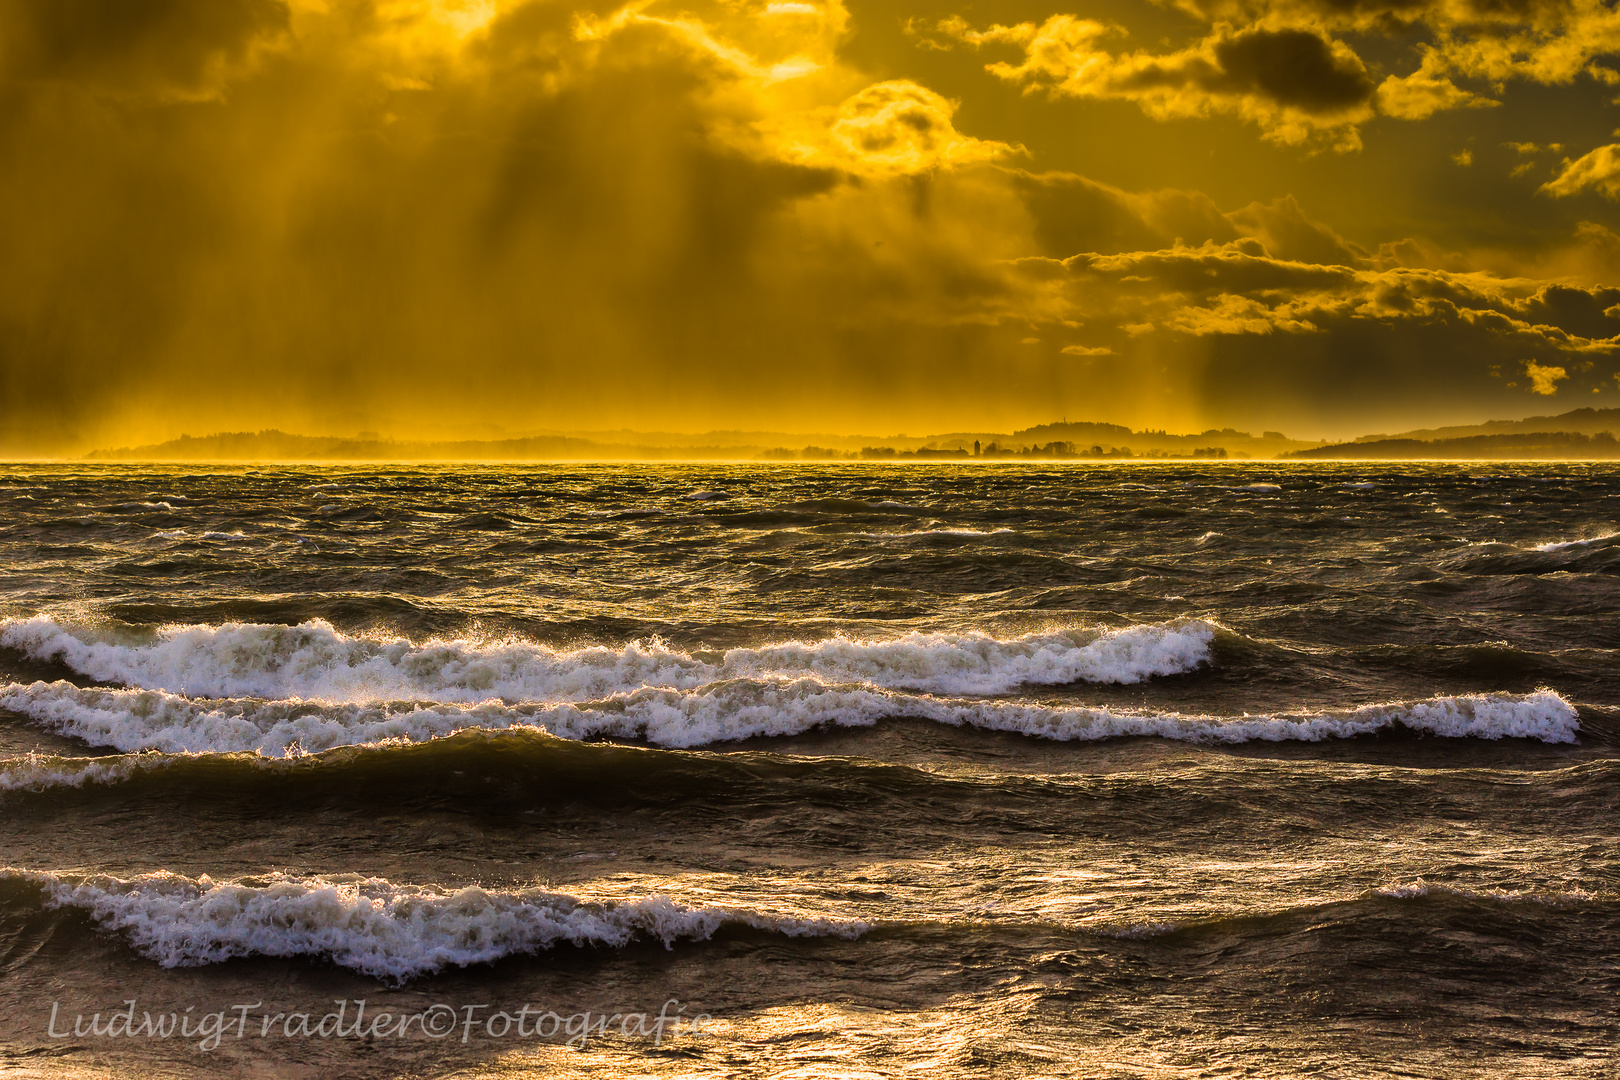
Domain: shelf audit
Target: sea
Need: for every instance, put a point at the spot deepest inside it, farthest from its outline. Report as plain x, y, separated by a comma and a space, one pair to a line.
1022, 769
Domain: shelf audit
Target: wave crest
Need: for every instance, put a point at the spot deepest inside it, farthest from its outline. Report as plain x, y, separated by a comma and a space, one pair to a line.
314, 661
388, 931
135, 720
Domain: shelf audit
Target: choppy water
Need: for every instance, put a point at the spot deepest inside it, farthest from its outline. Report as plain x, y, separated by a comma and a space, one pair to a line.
1138, 770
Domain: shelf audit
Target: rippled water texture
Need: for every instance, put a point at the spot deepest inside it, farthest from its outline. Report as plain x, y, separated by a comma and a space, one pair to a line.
1141, 770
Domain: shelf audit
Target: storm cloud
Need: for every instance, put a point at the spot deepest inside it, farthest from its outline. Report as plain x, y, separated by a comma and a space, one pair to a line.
442, 218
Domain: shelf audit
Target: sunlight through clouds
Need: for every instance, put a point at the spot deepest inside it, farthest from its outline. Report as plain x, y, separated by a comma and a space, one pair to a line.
430, 213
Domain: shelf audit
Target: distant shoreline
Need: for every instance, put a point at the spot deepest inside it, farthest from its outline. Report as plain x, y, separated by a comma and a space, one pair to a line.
1142, 461
1580, 435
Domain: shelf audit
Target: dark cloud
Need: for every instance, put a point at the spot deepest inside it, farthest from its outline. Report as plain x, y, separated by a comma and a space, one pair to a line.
1588, 313
1231, 268
1074, 214
1298, 85
1285, 230
1394, 15
1253, 333
1295, 68
137, 45
1213, 278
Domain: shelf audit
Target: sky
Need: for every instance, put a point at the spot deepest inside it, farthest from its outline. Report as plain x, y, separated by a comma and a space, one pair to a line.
459, 218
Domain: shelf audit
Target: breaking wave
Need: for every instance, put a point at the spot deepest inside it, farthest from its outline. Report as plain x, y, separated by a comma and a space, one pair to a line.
1420, 889
136, 720
388, 931
314, 661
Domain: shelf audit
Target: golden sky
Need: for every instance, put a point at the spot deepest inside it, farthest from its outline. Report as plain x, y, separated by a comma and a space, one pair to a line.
453, 217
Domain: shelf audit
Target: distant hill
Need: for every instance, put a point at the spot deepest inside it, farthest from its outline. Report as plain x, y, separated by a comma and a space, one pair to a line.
1582, 433
1235, 443
1081, 439
275, 445
1525, 446
1583, 421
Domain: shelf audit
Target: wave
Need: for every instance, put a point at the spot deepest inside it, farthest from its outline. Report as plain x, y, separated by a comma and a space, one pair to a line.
1565, 545
1421, 889
388, 931
399, 932
570, 769
515, 769
1595, 554
314, 661
962, 532
631, 515
41, 772
138, 720
1352, 909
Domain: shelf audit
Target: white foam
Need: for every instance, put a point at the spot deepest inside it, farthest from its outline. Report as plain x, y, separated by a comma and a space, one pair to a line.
133, 720
388, 931
143, 506
1136, 932
228, 537
980, 664
1361, 486
1420, 888
705, 496
964, 532
314, 661
39, 772
1565, 545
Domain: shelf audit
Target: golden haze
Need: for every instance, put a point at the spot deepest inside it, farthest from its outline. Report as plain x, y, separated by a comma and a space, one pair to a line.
477, 218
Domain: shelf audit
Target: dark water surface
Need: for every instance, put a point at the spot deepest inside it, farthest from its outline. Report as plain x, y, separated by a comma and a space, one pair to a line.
1035, 770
